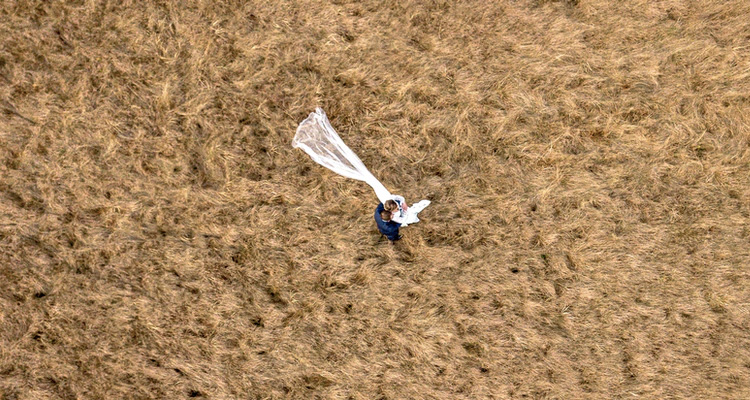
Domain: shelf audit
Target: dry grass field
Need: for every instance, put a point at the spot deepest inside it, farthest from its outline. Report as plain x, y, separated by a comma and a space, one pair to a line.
588, 163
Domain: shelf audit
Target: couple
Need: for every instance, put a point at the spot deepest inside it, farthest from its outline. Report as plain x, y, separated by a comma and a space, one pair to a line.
395, 213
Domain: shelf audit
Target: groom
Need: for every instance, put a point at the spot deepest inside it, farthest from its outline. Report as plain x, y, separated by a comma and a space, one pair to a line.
386, 226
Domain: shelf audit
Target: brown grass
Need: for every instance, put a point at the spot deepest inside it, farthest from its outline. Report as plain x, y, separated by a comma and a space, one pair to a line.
588, 162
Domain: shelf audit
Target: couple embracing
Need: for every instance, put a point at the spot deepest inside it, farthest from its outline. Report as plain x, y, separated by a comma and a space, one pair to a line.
394, 213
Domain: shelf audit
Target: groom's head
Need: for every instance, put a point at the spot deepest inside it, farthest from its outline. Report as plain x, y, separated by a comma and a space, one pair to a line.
385, 215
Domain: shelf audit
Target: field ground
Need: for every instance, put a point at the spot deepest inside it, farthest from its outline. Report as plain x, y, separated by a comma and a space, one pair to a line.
588, 163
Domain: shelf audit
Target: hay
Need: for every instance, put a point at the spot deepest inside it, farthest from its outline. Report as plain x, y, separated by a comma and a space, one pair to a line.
587, 160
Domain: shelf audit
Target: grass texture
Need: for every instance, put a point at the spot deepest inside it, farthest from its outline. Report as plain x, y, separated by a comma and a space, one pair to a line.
588, 163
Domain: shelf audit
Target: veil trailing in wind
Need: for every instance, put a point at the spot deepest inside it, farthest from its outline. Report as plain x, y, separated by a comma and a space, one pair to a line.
319, 140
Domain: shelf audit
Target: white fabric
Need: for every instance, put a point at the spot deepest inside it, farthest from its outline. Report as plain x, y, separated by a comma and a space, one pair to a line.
319, 140
411, 213
316, 137
399, 216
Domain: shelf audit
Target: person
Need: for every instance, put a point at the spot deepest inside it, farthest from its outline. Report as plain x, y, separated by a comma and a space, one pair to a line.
397, 206
402, 213
386, 225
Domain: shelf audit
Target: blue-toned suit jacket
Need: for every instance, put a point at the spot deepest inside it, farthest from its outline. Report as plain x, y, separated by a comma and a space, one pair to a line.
390, 228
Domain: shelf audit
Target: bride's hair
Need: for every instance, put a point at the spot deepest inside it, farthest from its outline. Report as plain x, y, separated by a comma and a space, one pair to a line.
390, 205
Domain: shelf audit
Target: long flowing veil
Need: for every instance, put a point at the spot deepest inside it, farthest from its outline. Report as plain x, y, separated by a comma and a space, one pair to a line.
319, 140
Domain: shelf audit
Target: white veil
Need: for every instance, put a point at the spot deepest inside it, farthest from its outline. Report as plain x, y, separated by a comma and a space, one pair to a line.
319, 140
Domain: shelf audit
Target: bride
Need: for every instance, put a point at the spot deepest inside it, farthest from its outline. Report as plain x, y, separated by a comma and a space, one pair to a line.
316, 137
